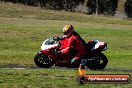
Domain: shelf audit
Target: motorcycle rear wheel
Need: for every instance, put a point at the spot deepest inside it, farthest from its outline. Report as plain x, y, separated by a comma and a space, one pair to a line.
41, 60
97, 62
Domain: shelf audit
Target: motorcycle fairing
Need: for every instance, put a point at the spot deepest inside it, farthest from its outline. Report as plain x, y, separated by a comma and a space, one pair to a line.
49, 43
97, 45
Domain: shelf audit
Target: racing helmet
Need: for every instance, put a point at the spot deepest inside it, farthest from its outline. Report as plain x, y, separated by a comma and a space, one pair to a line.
67, 30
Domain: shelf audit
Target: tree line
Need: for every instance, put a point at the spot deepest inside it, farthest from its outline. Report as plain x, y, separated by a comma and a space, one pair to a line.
107, 7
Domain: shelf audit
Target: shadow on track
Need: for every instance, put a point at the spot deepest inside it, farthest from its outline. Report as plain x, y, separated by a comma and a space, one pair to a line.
15, 66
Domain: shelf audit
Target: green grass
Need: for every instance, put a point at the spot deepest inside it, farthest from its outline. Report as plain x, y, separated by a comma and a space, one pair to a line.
22, 38
23, 29
49, 78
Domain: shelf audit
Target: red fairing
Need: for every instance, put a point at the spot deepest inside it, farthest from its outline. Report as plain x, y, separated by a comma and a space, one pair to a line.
102, 44
51, 54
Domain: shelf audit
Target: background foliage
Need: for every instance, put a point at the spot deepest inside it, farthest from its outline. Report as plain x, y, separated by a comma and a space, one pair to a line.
106, 7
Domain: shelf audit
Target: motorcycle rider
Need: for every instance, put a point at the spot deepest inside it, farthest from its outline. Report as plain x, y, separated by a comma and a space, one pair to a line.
74, 41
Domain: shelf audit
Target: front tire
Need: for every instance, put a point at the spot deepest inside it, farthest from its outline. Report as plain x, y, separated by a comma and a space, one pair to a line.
42, 60
97, 62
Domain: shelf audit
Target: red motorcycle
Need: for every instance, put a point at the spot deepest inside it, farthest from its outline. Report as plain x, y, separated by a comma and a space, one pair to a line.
49, 55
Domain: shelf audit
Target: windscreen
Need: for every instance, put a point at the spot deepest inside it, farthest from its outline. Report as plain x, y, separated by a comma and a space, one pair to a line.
50, 41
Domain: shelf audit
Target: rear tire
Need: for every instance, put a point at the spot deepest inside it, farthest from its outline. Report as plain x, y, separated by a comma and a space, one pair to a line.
97, 62
42, 60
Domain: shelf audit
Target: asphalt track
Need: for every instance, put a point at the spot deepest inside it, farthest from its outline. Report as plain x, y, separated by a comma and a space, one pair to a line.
56, 67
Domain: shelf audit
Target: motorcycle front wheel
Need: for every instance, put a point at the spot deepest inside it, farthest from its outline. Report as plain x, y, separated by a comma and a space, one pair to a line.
42, 60
97, 62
